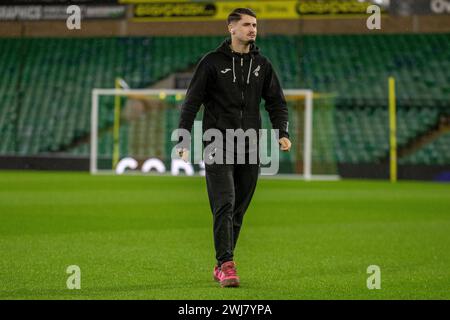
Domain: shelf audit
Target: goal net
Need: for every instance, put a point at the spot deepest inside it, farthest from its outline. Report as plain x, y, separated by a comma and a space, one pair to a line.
132, 131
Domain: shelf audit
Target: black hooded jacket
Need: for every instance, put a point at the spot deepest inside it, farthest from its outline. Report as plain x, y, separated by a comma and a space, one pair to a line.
230, 85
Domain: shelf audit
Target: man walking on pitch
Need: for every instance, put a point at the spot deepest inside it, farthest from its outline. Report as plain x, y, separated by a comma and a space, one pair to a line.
230, 83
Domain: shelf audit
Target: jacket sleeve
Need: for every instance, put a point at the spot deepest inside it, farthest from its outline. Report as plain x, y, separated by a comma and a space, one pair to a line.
195, 95
275, 102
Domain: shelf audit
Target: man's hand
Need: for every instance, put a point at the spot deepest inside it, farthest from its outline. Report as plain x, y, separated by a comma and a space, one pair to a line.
183, 153
285, 144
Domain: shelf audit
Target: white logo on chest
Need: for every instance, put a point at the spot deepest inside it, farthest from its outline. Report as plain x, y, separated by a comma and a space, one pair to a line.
225, 71
256, 71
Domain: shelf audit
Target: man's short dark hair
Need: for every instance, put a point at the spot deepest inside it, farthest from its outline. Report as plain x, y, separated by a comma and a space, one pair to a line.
236, 15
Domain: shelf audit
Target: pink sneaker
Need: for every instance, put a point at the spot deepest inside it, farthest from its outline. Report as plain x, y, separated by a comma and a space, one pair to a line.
227, 275
216, 273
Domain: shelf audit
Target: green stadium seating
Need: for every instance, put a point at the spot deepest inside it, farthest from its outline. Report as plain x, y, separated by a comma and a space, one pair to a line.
50, 107
435, 152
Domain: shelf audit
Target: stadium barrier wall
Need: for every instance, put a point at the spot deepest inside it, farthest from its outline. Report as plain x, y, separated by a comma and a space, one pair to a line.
50, 162
404, 172
349, 171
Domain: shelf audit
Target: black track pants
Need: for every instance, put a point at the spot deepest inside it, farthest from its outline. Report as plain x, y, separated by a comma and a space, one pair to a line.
230, 190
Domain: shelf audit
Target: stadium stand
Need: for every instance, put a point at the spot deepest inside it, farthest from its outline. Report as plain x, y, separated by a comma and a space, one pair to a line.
57, 76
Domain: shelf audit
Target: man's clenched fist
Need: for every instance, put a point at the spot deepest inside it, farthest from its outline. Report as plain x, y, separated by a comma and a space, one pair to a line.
183, 153
285, 144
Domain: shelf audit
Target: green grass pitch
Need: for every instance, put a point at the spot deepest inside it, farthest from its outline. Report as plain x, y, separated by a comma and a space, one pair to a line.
150, 237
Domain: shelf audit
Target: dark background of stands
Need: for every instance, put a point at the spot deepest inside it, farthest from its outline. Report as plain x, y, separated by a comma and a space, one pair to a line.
429, 30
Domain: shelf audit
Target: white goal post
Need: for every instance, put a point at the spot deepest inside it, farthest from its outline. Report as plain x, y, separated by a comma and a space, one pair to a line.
307, 95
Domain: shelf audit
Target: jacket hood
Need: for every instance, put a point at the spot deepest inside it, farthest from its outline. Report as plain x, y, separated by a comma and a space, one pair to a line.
225, 49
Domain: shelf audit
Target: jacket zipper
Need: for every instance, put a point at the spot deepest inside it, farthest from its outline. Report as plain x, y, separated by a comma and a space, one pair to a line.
242, 91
